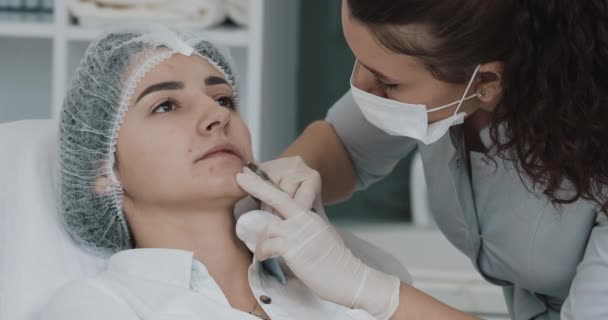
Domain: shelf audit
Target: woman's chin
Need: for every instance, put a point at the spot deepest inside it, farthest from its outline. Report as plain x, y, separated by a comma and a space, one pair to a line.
224, 189
237, 192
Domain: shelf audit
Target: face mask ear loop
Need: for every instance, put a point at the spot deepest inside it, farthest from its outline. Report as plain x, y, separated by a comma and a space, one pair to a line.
354, 73
466, 90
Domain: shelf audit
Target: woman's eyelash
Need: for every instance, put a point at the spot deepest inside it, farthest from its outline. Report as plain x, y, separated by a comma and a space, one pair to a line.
164, 107
227, 101
169, 105
384, 85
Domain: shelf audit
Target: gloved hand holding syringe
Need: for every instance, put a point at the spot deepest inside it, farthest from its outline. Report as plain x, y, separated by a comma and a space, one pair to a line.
313, 249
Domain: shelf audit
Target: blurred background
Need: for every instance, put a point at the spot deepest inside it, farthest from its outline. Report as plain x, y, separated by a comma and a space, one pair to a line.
293, 63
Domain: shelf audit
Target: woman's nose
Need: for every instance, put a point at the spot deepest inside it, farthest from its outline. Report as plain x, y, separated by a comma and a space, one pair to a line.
214, 119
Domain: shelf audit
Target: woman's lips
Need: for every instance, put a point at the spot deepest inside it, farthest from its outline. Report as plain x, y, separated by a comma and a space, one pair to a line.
225, 150
225, 154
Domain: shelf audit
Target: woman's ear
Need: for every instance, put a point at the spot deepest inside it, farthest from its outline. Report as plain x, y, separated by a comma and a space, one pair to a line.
103, 183
489, 87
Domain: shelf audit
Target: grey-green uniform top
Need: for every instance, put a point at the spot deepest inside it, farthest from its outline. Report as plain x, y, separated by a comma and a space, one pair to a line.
548, 261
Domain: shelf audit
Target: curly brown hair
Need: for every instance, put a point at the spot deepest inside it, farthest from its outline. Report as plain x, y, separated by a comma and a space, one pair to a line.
553, 114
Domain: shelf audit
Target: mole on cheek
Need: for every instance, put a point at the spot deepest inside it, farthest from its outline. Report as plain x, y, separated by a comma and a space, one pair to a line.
211, 169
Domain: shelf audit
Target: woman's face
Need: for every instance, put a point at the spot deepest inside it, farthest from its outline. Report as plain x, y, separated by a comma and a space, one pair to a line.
182, 140
397, 76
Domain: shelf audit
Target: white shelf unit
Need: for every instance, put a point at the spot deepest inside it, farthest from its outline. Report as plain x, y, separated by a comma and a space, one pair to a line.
265, 54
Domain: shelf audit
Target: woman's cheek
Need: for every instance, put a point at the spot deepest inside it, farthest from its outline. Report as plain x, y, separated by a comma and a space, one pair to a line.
243, 136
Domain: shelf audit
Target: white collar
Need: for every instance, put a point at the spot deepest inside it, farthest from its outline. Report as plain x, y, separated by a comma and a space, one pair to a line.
171, 266
174, 266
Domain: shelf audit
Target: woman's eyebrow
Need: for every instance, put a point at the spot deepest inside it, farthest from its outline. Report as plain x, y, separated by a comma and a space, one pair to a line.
169, 85
378, 73
178, 85
215, 80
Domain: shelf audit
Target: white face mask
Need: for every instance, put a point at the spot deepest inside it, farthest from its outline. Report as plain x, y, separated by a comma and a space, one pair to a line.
404, 119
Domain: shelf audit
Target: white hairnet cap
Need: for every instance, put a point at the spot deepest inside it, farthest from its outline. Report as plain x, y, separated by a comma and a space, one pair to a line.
93, 110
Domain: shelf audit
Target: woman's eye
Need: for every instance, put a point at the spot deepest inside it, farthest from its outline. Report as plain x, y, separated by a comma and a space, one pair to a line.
226, 101
385, 86
164, 107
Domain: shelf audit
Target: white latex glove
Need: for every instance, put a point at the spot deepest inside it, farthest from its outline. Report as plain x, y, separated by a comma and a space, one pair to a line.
295, 178
316, 254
